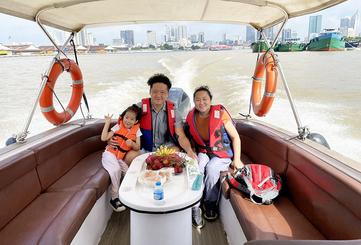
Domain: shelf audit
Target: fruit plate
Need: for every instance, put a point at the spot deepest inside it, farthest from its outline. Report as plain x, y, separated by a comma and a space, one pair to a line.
150, 177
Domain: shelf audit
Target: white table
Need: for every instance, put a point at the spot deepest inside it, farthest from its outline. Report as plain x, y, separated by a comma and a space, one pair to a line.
152, 223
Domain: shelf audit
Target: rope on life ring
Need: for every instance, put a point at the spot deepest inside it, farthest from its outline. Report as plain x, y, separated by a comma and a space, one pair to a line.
261, 104
46, 97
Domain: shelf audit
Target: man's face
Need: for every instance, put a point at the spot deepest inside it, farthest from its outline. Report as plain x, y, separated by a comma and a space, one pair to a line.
159, 93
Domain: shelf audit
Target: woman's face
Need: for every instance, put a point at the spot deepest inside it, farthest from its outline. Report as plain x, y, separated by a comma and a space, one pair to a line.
202, 101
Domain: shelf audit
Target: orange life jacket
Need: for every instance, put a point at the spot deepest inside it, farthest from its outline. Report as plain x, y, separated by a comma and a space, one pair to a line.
146, 123
219, 143
121, 136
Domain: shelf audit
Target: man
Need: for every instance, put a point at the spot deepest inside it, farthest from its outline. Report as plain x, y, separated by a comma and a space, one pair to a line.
160, 124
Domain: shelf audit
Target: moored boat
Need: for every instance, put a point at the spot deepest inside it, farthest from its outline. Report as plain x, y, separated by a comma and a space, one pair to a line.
290, 45
259, 46
328, 40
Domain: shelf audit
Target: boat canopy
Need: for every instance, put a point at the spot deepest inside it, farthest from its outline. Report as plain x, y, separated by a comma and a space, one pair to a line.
73, 15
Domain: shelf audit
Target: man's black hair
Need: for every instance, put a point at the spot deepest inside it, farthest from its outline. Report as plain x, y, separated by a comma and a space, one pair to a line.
202, 88
134, 108
159, 78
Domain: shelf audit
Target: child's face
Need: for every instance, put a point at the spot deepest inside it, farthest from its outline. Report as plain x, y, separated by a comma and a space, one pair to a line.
130, 118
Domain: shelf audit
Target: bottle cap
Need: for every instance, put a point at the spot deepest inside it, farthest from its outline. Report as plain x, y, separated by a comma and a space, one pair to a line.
157, 183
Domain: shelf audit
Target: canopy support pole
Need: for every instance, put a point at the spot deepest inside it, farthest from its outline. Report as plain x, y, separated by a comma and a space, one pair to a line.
303, 131
21, 137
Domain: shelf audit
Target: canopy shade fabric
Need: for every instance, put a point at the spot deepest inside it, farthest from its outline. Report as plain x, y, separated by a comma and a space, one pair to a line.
73, 15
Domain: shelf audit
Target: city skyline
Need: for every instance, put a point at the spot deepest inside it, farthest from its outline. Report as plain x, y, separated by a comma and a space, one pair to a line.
17, 30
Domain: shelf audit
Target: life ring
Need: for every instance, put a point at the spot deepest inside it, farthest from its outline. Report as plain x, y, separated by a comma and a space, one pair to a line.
261, 104
46, 97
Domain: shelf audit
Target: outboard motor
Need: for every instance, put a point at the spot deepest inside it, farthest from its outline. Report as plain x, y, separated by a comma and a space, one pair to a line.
318, 138
181, 101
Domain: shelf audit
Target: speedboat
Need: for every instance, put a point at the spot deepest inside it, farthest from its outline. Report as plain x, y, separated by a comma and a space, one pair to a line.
53, 189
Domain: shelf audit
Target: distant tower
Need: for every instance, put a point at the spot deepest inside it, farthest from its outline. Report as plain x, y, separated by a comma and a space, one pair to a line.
250, 34
193, 38
127, 37
355, 20
224, 37
201, 37
344, 25
59, 36
151, 38
167, 34
81, 38
286, 34
345, 22
314, 25
173, 34
269, 33
182, 33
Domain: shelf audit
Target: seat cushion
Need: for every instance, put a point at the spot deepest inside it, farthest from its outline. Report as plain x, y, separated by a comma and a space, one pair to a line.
87, 173
278, 221
52, 218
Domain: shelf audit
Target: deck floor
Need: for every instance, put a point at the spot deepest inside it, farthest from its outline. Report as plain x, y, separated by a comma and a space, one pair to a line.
118, 232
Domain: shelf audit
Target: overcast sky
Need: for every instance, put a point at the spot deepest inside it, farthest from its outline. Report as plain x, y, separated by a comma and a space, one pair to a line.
13, 29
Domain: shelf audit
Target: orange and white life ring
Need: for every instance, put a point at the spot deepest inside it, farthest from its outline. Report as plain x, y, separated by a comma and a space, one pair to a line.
46, 97
262, 103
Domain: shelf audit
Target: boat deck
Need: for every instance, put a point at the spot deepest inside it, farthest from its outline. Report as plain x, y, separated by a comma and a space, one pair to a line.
118, 231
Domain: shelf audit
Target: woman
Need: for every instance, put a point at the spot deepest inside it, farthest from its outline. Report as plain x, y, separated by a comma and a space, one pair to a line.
217, 142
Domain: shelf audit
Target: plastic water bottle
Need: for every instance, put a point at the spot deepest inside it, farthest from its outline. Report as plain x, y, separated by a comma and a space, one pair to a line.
158, 194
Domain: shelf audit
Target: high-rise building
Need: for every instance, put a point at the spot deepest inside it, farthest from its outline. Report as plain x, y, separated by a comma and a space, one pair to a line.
127, 37
286, 34
59, 36
193, 38
269, 33
201, 37
167, 34
151, 38
81, 38
173, 34
314, 26
345, 22
250, 34
355, 20
182, 33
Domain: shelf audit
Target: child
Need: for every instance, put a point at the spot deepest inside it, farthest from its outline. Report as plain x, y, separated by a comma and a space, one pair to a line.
125, 136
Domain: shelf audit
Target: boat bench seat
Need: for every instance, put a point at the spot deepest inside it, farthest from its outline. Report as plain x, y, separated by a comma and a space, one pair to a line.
47, 191
318, 201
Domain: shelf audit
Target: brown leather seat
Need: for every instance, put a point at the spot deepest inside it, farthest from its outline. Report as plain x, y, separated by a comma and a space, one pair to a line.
52, 218
280, 221
318, 201
46, 192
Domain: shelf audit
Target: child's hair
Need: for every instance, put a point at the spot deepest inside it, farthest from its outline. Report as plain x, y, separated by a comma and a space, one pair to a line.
203, 88
134, 108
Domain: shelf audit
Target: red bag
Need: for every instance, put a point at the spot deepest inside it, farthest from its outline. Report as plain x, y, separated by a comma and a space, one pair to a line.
259, 182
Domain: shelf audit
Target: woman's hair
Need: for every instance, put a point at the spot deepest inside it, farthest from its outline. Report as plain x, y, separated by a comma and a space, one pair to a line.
133, 108
202, 88
159, 78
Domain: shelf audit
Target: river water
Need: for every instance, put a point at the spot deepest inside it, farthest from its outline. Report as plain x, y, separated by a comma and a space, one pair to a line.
326, 87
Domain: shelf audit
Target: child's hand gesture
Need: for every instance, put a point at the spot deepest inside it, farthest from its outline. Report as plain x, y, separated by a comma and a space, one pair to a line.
108, 118
129, 142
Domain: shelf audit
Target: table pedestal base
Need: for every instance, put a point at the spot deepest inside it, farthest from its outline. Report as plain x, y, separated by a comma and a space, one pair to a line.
161, 229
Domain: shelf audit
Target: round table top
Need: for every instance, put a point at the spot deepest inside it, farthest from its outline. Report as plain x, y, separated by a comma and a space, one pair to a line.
137, 196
